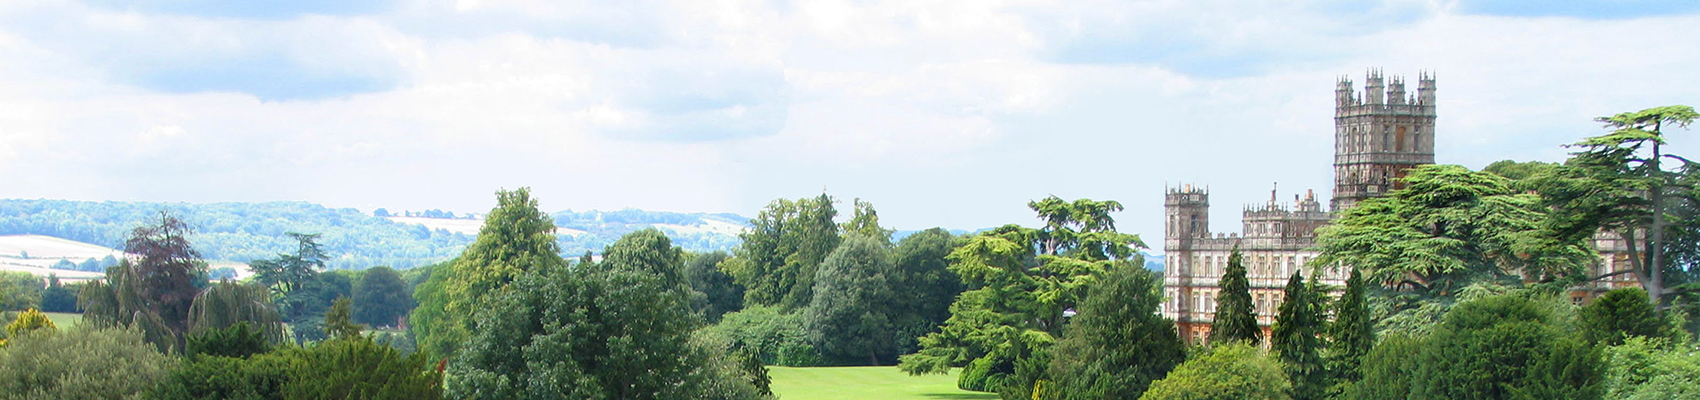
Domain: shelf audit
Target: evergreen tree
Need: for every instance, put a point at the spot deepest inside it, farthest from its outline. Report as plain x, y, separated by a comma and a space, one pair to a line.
1621, 314
1351, 336
1296, 341
1236, 319
1117, 344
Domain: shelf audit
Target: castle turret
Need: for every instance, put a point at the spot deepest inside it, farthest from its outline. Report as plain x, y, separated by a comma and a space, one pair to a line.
1187, 209
1373, 90
1377, 142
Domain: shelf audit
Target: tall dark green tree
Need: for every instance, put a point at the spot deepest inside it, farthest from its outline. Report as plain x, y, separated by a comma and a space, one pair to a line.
1117, 344
1504, 347
1350, 336
289, 272
1235, 319
850, 319
926, 281
516, 237
1296, 338
716, 292
1621, 314
381, 298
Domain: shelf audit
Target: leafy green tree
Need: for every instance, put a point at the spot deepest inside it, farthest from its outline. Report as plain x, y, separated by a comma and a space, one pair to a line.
864, 221
716, 292
339, 320
1621, 314
1117, 344
58, 297
355, 367
1296, 338
781, 251
381, 298
1235, 319
1387, 370
1506, 347
1651, 368
926, 282
1228, 371
80, 364
516, 237
1002, 332
618, 329
850, 317
773, 336
1351, 335
19, 291
1628, 191
229, 303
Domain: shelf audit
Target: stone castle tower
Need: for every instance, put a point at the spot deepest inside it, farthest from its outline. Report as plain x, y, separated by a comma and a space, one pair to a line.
1379, 136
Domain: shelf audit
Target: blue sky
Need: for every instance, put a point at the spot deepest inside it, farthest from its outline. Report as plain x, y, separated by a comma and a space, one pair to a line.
943, 113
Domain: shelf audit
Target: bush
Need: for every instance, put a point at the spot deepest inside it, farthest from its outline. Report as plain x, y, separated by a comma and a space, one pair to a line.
348, 368
1227, 371
238, 341
79, 364
1621, 314
1644, 368
777, 338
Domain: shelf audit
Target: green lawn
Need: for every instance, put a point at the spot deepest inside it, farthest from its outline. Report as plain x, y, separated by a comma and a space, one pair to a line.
64, 320
872, 383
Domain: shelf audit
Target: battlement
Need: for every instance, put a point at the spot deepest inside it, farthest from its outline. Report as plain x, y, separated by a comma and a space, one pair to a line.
1384, 95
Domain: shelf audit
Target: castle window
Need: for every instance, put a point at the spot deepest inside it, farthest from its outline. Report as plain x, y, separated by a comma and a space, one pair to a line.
1400, 144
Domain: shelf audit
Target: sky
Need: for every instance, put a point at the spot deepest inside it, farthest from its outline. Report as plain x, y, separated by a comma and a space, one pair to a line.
941, 113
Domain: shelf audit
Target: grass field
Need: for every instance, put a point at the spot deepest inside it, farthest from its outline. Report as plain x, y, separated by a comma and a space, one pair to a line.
64, 320
871, 383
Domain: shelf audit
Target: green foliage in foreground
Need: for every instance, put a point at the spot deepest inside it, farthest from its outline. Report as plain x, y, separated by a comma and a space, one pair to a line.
516, 238
1235, 371
1647, 369
237, 363
883, 383
79, 364
771, 335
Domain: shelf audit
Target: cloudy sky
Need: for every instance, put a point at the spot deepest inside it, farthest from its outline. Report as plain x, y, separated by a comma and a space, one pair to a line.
943, 113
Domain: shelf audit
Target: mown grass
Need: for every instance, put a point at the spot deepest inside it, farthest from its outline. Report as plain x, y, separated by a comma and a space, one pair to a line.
872, 383
64, 320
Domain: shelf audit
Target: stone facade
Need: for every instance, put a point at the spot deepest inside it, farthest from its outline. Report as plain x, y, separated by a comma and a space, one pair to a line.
1378, 136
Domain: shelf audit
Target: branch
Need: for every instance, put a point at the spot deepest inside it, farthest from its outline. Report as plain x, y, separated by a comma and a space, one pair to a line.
1627, 271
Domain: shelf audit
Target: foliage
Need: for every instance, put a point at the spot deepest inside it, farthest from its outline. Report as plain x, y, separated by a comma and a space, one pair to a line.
1449, 228
228, 304
1226, 371
516, 238
1117, 344
1024, 278
289, 272
238, 340
1235, 319
27, 321
1296, 338
926, 283
258, 377
1350, 336
118, 302
1505, 347
850, 317
715, 292
781, 251
616, 329
770, 334
381, 298
59, 298
339, 320
1618, 183
1621, 314
154, 293
344, 368
864, 221
19, 291
1648, 368
79, 364
1386, 370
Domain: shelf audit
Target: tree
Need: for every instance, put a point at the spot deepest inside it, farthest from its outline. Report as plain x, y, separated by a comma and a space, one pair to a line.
769, 334
1117, 344
926, 282
1632, 191
28, 321
58, 297
381, 298
1351, 335
719, 293
339, 320
1228, 371
229, 303
1235, 319
1026, 278
1386, 370
1621, 314
516, 237
80, 363
19, 291
289, 272
154, 293
238, 341
1505, 346
786, 242
618, 329
1296, 338
850, 317
866, 222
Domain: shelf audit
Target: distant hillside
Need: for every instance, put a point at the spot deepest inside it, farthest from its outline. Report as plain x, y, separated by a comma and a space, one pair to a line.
242, 232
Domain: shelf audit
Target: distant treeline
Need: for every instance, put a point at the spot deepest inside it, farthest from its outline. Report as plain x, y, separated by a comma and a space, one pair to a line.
354, 240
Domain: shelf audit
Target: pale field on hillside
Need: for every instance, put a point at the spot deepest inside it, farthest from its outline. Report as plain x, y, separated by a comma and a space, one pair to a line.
44, 251
466, 226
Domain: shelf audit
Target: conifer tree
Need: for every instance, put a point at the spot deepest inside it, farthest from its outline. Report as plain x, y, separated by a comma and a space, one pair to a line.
1235, 319
1352, 335
1118, 344
1296, 338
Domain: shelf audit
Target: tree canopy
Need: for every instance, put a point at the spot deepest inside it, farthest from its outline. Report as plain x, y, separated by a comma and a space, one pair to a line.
516, 238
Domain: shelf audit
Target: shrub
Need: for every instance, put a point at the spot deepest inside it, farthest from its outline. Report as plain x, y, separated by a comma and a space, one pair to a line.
777, 338
236, 341
79, 364
1227, 371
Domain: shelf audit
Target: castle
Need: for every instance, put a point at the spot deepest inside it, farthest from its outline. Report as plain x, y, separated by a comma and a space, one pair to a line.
1378, 137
